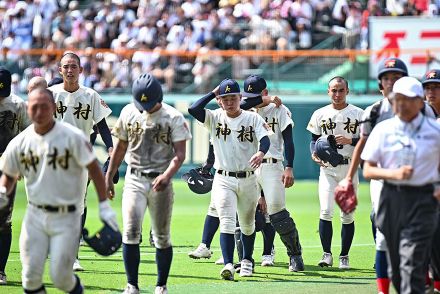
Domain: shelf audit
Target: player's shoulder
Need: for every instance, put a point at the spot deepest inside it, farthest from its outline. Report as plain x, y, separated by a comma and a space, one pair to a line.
69, 129
170, 110
433, 124
323, 110
15, 99
58, 88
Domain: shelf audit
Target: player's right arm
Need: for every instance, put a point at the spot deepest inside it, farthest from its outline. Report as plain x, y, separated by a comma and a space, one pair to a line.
197, 109
356, 158
115, 162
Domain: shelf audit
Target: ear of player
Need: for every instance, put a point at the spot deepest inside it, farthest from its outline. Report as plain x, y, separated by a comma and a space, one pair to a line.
199, 180
105, 242
326, 149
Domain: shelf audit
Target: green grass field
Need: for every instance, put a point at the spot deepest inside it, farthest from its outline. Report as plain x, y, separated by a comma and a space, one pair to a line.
106, 275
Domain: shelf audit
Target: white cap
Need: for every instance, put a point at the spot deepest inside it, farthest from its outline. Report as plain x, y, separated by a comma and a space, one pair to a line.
409, 87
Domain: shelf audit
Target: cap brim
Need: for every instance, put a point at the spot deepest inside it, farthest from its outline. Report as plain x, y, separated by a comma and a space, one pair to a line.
431, 81
5, 92
228, 94
249, 95
143, 106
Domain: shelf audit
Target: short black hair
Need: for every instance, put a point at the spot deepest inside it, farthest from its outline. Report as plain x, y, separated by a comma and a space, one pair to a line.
339, 79
71, 54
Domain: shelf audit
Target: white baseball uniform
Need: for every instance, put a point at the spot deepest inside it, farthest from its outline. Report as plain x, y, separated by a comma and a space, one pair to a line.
49, 163
82, 109
150, 150
269, 174
330, 121
235, 141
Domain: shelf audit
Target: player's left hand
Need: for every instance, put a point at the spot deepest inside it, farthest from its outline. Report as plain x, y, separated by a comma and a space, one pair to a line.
107, 215
341, 140
256, 159
287, 178
262, 205
160, 183
437, 193
110, 188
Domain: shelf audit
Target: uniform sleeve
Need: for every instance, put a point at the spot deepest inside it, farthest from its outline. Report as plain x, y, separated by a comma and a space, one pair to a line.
261, 127
120, 129
82, 150
365, 122
9, 163
285, 118
209, 119
313, 125
372, 149
180, 130
23, 116
100, 108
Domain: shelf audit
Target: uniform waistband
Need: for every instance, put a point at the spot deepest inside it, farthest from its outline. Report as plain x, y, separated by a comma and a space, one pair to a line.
423, 188
270, 160
239, 174
59, 209
141, 173
346, 160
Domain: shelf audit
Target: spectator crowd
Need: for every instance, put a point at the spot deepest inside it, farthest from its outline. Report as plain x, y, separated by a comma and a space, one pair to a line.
147, 27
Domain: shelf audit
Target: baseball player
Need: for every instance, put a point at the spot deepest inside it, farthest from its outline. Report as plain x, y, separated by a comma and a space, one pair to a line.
49, 154
404, 151
390, 70
431, 86
154, 135
272, 176
13, 119
341, 120
240, 140
82, 107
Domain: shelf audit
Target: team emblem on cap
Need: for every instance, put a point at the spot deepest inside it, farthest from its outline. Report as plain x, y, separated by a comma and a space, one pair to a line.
430, 75
390, 63
228, 89
249, 88
144, 98
1, 86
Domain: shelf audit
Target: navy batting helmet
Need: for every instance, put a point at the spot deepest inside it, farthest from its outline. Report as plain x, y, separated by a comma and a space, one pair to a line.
105, 242
146, 91
199, 180
432, 76
392, 65
326, 149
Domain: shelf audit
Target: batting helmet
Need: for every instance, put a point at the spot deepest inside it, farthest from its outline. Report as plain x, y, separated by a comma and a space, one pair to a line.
199, 180
432, 76
326, 149
146, 91
392, 65
105, 242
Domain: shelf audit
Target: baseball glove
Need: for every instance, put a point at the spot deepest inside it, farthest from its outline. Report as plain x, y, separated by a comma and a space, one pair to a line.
345, 196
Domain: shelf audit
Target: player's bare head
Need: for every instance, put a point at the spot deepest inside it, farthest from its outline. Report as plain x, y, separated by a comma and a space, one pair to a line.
407, 98
36, 82
70, 68
337, 91
338, 79
41, 106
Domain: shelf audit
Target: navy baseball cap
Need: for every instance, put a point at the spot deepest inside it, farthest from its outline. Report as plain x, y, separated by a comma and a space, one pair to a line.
253, 86
432, 76
147, 92
228, 87
5, 82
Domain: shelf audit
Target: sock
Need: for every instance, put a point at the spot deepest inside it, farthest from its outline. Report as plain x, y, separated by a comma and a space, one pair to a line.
383, 285
373, 224
5, 247
163, 261
268, 237
131, 255
437, 285
227, 243
381, 264
347, 234
326, 234
248, 245
78, 289
209, 229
